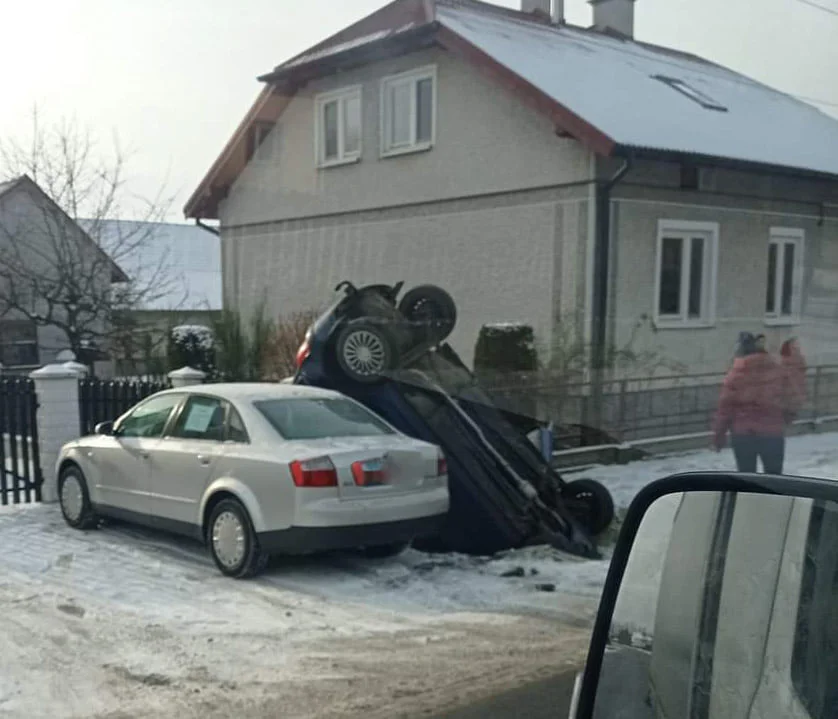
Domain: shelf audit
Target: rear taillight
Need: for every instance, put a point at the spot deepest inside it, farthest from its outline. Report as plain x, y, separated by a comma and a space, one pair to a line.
318, 472
304, 351
441, 466
369, 473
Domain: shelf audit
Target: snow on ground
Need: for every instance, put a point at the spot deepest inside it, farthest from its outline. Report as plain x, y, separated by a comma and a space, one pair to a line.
123, 622
812, 455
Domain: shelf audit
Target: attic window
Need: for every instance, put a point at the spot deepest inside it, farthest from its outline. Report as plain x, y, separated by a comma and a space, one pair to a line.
702, 98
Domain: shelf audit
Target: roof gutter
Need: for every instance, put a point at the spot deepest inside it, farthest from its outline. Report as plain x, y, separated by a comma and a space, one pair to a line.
209, 229
727, 163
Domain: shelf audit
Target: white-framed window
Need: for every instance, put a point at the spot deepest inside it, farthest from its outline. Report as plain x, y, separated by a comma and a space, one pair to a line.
408, 111
338, 127
784, 281
685, 273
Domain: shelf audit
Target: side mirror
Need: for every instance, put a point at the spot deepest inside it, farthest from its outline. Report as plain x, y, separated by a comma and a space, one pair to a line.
721, 601
104, 428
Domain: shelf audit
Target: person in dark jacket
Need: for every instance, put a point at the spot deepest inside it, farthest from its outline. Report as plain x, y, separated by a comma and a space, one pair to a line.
753, 408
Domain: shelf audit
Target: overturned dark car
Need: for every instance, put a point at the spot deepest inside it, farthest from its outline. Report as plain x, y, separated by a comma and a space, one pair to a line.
391, 356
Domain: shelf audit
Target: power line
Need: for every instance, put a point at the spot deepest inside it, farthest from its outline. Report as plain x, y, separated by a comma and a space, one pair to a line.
830, 10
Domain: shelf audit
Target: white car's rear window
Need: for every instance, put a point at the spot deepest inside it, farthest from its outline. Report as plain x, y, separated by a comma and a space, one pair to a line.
301, 418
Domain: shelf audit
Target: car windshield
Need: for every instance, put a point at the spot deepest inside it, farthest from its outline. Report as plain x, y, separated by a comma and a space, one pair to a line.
321, 418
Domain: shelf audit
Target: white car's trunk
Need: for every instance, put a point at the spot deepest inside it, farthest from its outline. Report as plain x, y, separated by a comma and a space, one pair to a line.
407, 465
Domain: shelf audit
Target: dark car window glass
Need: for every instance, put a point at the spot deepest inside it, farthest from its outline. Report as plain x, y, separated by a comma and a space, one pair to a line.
149, 419
816, 642
201, 418
236, 431
305, 418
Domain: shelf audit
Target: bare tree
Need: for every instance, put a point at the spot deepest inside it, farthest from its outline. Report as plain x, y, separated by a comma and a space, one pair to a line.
61, 264
288, 334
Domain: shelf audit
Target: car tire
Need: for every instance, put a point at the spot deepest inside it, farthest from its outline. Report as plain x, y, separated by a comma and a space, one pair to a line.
433, 306
365, 351
384, 551
590, 503
75, 499
232, 541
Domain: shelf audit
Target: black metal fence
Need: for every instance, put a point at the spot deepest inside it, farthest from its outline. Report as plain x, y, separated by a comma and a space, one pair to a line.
640, 408
105, 400
20, 463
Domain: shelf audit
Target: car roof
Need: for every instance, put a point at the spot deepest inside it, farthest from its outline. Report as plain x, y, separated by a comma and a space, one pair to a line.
255, 390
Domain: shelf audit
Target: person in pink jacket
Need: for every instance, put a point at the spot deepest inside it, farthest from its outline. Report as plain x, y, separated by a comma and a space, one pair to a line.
753, 409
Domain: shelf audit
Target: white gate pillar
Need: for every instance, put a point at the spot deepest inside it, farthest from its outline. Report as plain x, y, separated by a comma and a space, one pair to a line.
57, 388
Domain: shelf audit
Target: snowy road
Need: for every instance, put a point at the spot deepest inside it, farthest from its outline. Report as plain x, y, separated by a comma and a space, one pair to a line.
127, 623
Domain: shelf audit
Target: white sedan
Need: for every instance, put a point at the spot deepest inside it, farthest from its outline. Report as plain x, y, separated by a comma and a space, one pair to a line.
257, 469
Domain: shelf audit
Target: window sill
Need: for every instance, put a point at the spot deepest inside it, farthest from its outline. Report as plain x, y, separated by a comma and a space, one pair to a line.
782, 321
397, 152
338, 163
665, 324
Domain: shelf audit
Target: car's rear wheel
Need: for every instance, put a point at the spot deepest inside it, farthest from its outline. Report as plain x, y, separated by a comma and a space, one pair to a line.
590, 503
233, 542
432, 308
75, 499
365, 351
383, 551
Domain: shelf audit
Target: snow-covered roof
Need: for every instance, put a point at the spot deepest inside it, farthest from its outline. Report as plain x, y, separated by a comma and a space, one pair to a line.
613, 93
189, 256
646, 97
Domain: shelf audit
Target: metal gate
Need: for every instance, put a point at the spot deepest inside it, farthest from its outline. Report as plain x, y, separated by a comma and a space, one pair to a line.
105, 400
20, 461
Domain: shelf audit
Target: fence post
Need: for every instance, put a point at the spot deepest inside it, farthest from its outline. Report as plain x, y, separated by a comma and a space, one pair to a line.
816, 403
186, 376
621, 409
57, 388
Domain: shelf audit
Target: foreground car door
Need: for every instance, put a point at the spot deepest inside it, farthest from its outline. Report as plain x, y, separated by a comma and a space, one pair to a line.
122, 467
184, 461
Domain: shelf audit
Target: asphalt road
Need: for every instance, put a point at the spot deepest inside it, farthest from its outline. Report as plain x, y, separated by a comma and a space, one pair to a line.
545, 699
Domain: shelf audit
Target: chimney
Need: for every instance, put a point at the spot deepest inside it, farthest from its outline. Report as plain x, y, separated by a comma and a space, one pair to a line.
616, 15
536, 6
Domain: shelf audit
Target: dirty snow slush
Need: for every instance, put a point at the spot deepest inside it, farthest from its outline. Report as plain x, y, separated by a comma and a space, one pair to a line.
127, 623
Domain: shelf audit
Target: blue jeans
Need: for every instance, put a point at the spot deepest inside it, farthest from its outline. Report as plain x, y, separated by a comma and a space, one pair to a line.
747, 448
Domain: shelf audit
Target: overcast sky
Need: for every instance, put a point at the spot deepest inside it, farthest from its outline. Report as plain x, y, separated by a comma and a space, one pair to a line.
174, 77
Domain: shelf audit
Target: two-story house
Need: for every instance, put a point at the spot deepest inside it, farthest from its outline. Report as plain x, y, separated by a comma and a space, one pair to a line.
570, 178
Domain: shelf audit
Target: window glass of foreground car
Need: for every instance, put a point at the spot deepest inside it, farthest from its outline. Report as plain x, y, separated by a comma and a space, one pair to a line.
728, 608
320, 418
149, 419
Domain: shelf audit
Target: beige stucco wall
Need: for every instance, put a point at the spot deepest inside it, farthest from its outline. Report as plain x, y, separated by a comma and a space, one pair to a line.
496, 212
486, 141
744, 230
499, 257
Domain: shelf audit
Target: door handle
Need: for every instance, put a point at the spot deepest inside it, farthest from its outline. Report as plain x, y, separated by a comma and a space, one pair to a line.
144, 454
203, 459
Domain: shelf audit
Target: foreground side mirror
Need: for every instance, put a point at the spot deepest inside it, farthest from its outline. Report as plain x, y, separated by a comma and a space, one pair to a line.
721, 601
104, 428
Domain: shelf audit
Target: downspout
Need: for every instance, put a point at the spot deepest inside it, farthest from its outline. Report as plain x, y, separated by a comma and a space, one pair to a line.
207, 227
599, 313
